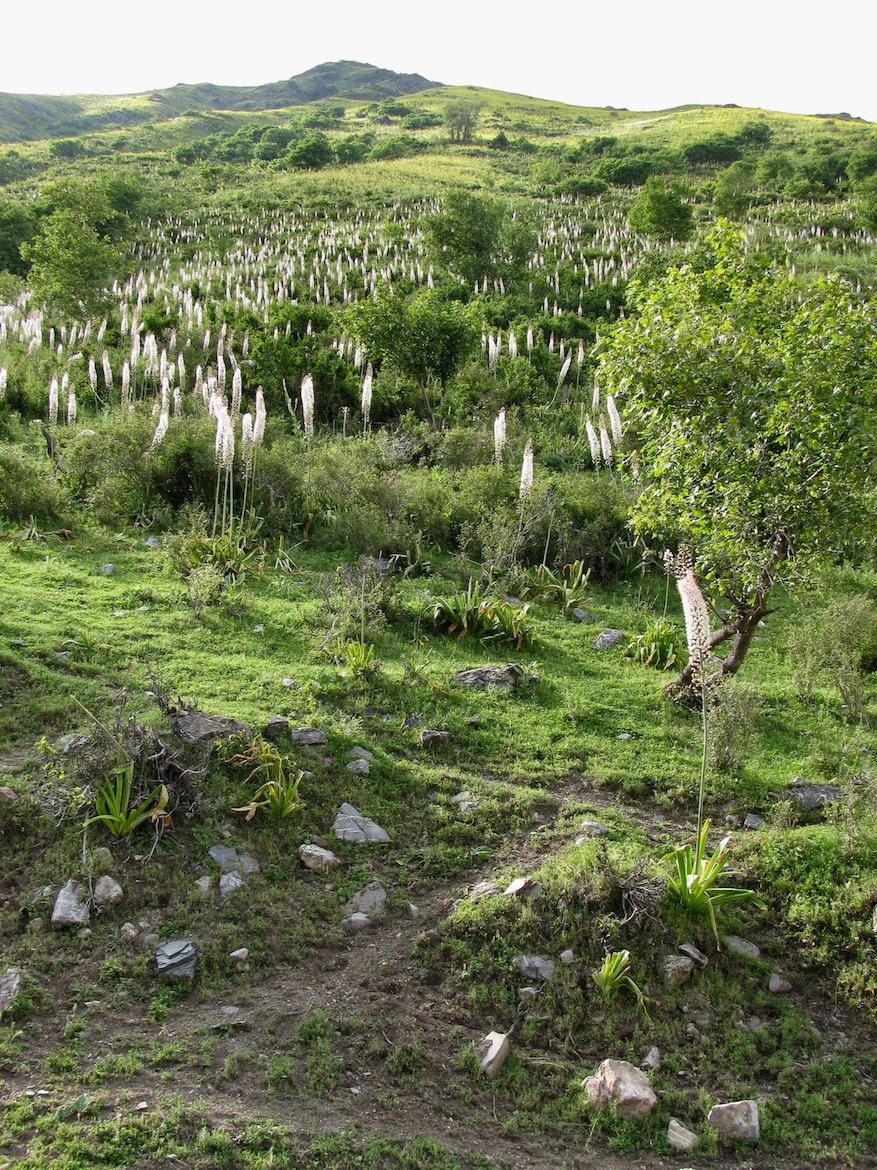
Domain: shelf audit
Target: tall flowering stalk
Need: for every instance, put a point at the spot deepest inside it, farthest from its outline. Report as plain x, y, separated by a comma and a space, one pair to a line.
367, 397
594, 441
53, 404
697, 634
526, 472
307, 410
614, 420
499, 436
71, 405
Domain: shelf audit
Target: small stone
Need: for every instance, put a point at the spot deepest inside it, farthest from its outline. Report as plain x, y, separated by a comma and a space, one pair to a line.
7, 795
680, 1138
413, 910
318, 860
10, 985
608, 639
230, 882
493, 1051
739, 946
652, 1059
527, 993
102, 856
582, 615
107, 892
287, 682
239, 958
276, 726
677, 969
432, 738
524, 887
358, 921
503, 678
195, 727
177, 959
359, 767
624, 736
128, 931
70, 909
259, 629
63, 655
361, 753
350, 825
568, 957
204, 884
307, 736
153, 542
228, 859
412, 722
534, 966
752, 821
750, 1025
736, 1119
623, 1084
595, 829
485, 889
692, 952
35, 925
107, 570
778, 985
369, 900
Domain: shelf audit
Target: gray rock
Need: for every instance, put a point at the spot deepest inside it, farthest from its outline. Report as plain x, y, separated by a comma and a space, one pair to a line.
195, 727
503, 678
307, 736
176, 959
239, 959
361, 753
230, 882
128, 931
568, 957
359, 767
357, 921
582, 615
677, 969
369, 900
811, 797
70, 908
492, 1052
739, 946
486, 889
10, 985
652, 1059
204, 884
534, 966
107, 892
778, 985
680, 1138
8, 795
595, 829
107, 570
433, 738
526, 888
276, 726
412, 722
619, 1083
752, 821
465, 802
607, 639
317, 859
351, 825
228, 859
102, 856
737, 1120
693, 953
153, 542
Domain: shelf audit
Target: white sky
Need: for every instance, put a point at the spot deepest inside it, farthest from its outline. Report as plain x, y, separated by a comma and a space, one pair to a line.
643, 54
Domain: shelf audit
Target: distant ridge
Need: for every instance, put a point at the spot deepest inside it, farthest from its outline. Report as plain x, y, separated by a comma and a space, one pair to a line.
26, 117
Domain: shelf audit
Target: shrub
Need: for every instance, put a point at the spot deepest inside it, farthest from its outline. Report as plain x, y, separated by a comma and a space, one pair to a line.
834, 650
659, 646
733, 720
27, 488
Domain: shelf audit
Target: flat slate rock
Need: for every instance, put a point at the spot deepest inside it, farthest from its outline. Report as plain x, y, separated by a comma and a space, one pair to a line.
351, 825
195, 727
228, 859
71, 909
10, 985
277, 725
369, 900
608, 638
534, 966
307, 736
504, 678
811, 797
176, 959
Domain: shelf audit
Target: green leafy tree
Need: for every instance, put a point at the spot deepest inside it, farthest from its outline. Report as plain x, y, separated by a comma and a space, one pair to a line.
733, 189
474, 236
661, 212
753, 399
461, 118
425, 337
17, 226
75, 250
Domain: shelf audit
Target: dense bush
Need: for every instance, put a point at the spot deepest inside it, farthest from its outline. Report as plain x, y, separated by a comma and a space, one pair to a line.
28, 488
